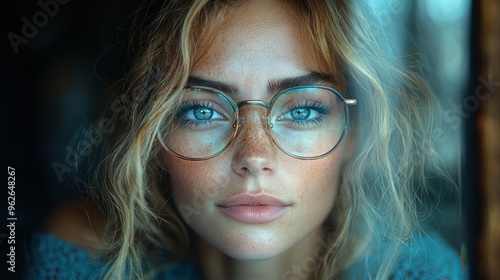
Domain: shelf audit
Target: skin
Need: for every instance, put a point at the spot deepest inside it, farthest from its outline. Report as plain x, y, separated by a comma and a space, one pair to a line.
257, 43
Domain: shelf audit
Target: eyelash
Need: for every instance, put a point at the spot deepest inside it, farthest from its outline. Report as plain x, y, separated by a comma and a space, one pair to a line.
317, 106
321, 109
186, 106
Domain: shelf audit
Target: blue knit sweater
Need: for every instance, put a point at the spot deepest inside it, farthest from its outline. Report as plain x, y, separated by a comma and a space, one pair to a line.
423, 258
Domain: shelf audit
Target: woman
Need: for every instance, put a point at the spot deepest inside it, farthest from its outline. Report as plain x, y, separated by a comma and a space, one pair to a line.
256, 140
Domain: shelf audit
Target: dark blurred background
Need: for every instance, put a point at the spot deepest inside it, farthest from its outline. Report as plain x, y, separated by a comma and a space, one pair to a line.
58, 58
54, 71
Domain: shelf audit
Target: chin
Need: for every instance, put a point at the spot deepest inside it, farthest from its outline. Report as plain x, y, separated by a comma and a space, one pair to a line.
258, 253
252, 246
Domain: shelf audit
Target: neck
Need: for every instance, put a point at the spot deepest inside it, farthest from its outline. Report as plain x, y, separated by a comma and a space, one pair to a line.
299, 262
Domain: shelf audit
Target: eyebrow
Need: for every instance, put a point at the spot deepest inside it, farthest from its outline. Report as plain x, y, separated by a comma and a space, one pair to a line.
311, 79
273, 86
224, 87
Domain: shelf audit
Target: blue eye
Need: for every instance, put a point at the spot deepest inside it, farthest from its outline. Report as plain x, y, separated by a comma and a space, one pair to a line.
198, 113
305, 114
202, 113
300, 113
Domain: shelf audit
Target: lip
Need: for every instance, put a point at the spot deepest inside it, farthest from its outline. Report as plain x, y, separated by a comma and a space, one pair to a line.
251, 208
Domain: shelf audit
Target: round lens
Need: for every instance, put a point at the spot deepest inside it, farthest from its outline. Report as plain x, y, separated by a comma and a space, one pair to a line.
202, 126
307, 122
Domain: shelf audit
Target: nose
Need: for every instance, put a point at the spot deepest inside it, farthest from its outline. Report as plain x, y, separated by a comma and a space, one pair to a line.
255, 152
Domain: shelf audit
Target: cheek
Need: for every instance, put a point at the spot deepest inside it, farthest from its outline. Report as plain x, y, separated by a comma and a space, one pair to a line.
194, 184
319, 184
312, 185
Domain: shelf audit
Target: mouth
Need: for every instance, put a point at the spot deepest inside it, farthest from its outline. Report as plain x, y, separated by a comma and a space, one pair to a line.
249, 208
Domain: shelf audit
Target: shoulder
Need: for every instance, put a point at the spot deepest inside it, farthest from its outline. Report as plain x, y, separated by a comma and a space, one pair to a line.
49, 257
425, 256
67, 246
430, 257
77, 221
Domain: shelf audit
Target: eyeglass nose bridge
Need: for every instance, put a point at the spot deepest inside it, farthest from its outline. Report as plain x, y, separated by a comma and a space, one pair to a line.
253, 103
241, 120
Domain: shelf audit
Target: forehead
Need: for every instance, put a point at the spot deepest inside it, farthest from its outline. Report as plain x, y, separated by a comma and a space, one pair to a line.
251, 35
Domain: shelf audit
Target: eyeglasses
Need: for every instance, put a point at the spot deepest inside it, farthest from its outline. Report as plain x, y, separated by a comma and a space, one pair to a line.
305, 122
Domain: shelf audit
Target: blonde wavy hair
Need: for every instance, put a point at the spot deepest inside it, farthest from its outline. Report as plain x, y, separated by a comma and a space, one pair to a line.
380, 186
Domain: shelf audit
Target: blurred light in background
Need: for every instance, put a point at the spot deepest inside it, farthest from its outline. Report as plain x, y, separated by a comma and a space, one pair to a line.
444, 29
438, 32
447, 11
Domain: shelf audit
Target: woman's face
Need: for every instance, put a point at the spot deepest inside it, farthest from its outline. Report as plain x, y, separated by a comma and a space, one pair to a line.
253, 201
